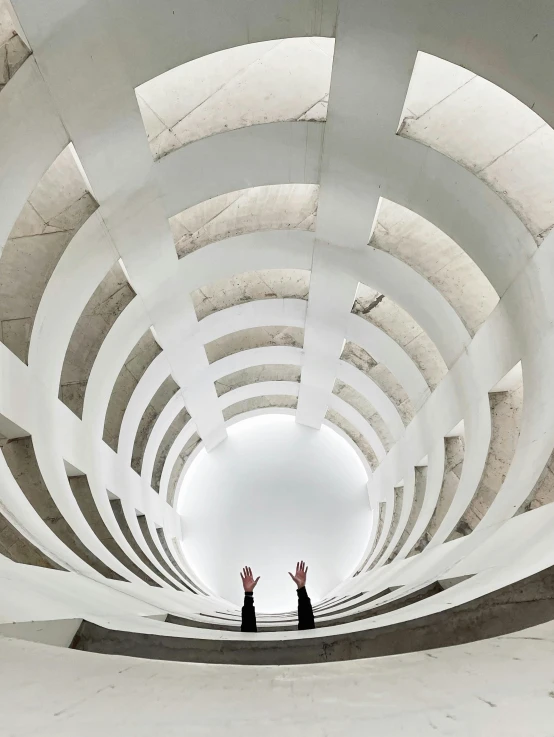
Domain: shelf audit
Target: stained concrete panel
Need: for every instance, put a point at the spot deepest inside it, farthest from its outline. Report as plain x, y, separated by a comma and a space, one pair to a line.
167, 441
366, 409
246, 85
148, 419
506, 409
178, 466
488, 131
252, 285
454, 451
108, 301
438, 258
356, 436
255, 374
543, 491
55, 210
13, 53
397, 500
15, 546
21, 459
247, 405
354, 354
243, 340
271, 207
420, 486
401, 327
136, 364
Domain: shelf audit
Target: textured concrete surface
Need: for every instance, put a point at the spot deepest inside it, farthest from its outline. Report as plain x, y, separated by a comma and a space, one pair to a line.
454, 449
21, 459
109, 300
243, 340
401, 327
151, 414
419, 495
178, 466
275, 206
255, 374
254, 285
438, 258
341, 422
512, 149
17, 547
133, 369
397, 501
245, 85
13, 53
82, 493
385, 380
528, 603
247, 405
55, 210
506, 408
366, 409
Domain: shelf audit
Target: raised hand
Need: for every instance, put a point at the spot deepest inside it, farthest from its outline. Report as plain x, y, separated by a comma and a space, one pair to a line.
248, 580
299, 577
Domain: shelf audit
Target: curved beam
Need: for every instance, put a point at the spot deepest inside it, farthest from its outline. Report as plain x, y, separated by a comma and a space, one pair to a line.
271, 153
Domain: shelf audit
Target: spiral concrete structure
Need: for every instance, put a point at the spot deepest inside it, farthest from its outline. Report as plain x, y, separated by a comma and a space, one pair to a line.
335, 209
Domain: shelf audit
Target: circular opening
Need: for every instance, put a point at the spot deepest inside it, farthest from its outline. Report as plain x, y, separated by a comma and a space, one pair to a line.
273, 493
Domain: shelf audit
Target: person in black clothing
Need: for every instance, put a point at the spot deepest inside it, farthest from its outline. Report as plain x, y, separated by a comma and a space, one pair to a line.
305, 613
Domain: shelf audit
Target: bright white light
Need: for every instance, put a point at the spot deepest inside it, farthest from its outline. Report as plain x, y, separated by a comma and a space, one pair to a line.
270, 494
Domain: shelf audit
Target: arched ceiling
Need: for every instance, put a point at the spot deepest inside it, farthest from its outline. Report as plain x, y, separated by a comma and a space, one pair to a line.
341, 211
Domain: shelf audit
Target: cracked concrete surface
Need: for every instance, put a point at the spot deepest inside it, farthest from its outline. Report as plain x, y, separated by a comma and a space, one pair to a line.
55, 210
252, 285
366, 409
337, 419
402, 328
488, 131
13, 50
354, 354
241, 86
271, 207
439, 259
242, 340
255, 374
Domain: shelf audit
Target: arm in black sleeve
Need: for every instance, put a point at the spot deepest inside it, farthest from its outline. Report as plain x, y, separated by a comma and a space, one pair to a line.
248, 614
305, 612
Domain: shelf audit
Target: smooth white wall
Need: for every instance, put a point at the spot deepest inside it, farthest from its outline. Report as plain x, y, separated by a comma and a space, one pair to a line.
272, 493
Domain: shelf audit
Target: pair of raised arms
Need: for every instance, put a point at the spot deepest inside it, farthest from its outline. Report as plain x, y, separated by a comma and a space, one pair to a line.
299, 578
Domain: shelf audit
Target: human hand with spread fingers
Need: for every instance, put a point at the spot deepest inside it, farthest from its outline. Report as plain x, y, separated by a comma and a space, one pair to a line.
305, 612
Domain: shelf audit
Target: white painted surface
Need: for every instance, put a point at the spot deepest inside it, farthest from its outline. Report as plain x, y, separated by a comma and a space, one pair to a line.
274, 494
494, 687
58, 632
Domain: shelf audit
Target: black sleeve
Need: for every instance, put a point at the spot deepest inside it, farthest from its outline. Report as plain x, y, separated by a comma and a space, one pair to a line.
305, 613
248, 614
